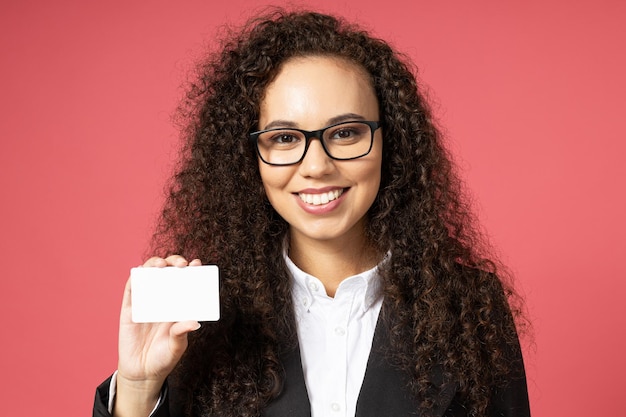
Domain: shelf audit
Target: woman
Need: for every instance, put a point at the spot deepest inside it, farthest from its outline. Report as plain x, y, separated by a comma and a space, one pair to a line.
352, 279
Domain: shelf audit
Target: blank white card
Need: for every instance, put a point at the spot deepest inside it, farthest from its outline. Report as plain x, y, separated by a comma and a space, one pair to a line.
173, 294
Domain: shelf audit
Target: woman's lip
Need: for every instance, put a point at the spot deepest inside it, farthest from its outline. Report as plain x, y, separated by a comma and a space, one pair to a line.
319, 190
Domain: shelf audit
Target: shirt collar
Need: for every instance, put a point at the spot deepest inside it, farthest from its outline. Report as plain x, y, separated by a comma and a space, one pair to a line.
306, 287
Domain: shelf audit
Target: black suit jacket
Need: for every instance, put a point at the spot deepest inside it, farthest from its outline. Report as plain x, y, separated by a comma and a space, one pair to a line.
382, 394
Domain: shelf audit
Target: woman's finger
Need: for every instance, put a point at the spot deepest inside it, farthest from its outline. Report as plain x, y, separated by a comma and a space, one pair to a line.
178, 336
172, 260
126, 304
155, 261
176, 260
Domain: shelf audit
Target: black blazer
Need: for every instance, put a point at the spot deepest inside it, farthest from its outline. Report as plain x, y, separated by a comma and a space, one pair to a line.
382, 394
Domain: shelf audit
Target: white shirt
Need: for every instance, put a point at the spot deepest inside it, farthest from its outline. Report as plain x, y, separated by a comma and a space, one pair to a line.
335, 336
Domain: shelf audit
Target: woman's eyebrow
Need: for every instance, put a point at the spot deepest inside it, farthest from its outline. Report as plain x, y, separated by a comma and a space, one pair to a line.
344, 118
280, 123
333, 120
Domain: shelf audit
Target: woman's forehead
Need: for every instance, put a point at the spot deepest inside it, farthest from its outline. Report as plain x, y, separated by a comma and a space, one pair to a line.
318, 87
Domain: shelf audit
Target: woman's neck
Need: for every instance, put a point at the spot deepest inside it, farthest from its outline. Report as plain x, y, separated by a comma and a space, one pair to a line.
332, 261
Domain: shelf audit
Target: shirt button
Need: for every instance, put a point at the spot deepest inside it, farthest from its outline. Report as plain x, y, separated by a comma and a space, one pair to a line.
312, 286
335, 407
305, 302
339, 331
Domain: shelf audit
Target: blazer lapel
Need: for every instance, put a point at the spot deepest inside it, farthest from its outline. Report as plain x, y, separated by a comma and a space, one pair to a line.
385, 387
293, 401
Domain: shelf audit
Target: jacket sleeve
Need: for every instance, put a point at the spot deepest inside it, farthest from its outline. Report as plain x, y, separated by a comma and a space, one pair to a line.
101, 403
511, 400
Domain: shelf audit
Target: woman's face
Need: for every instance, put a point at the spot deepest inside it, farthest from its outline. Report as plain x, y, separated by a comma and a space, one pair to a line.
311, 93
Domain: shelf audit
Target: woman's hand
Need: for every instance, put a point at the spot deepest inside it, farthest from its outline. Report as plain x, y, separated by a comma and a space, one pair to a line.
148, 352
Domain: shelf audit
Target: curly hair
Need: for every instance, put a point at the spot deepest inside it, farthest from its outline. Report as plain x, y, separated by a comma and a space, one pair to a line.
446, 303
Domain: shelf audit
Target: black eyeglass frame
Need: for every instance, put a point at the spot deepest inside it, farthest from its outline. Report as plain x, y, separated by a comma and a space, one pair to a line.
317, 134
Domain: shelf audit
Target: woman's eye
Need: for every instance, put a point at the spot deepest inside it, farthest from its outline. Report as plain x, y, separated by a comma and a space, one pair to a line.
343, 134
285, 138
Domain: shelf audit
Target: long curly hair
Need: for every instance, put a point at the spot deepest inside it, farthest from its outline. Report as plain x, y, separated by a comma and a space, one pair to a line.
446, 303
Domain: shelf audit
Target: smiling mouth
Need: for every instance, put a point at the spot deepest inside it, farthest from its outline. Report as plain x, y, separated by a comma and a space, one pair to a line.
319, 199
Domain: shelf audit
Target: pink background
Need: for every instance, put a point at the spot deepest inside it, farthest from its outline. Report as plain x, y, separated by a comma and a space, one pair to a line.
531, 96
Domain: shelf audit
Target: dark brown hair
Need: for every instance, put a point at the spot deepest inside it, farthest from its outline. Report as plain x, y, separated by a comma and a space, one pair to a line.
444, 303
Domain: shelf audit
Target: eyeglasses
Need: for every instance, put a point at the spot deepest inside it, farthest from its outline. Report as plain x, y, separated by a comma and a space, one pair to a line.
341, 141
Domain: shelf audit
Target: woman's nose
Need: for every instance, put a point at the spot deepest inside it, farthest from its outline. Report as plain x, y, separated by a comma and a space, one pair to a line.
316, 162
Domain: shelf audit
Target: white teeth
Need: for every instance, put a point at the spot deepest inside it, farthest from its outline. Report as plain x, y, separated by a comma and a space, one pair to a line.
318, 199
